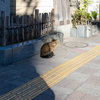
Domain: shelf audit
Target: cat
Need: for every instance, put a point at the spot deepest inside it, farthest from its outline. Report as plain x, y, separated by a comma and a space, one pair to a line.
47, 50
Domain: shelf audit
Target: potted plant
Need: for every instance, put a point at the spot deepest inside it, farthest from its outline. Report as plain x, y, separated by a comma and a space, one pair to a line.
89, 28
89, 18
81, 27
79, 21
94, 15
74, 28
82, 20
94, 24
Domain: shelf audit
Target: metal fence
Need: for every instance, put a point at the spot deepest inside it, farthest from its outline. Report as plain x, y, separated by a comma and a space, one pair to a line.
24, 28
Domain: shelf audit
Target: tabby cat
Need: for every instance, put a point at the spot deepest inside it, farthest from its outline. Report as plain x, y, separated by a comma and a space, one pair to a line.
47, 50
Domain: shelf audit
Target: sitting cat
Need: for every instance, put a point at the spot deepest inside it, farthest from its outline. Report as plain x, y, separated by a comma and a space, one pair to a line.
47, 50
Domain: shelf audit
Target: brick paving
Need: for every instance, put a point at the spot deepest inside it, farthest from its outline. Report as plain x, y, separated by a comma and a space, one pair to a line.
82, 84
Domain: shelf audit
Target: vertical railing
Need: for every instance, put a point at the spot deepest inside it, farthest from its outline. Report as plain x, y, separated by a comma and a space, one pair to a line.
4, 35
17, 25
32, 33
7, 25
22, 22
12, 26
25, 29
37, 23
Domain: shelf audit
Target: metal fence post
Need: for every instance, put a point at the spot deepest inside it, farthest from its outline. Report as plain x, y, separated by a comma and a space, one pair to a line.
3, 18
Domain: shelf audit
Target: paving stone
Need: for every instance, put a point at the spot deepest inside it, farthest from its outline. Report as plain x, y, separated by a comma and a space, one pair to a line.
89, 97
92, 65
40, 69
5, 68
54, 98
74, 85
74, 54
57, 99
7, 88
89, 47
90, 71
97, 73
61, 92
95, 60
49, 92
43, 97
3, 84
24, 65
93, 80
90, 89
60, 60
86, 70
80, 50
5, 75
31, 74
92, 46
18, 80
81, 69
16, 70
64, 82
78, 76
76, 96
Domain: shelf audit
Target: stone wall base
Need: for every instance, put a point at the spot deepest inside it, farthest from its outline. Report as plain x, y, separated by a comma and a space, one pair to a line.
19, 51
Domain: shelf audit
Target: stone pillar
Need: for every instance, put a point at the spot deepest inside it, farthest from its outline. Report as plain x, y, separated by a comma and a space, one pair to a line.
5, 6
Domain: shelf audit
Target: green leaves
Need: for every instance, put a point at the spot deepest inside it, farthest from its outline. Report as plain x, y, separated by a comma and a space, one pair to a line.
74, 20
88, 16
81, 10
86, 2
94, 14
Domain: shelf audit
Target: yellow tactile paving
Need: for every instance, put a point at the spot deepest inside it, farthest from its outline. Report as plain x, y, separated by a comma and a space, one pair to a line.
38, 85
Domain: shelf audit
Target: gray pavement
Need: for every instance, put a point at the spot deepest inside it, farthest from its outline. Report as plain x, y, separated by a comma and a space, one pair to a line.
82, 84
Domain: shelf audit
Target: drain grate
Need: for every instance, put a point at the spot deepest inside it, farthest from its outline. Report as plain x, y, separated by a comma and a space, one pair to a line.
76, 44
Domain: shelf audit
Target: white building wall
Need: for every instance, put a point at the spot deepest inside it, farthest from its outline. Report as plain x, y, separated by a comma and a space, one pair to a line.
28, 6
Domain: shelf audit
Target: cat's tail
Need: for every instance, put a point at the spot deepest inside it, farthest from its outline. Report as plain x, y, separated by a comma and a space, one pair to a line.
48, 55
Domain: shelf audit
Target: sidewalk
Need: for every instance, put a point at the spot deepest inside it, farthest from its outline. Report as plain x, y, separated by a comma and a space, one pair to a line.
81, 84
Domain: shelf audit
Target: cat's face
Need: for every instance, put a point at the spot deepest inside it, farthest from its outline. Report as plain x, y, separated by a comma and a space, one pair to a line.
54, 42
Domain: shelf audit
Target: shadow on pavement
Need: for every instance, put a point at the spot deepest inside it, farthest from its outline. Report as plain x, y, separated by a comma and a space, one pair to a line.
18, 74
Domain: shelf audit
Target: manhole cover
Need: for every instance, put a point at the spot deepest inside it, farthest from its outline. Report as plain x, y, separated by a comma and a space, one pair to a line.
76, 44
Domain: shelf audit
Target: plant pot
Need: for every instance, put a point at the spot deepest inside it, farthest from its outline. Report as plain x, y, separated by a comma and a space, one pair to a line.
89, 30
73, 32
82, 31
98, 25
94, 29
